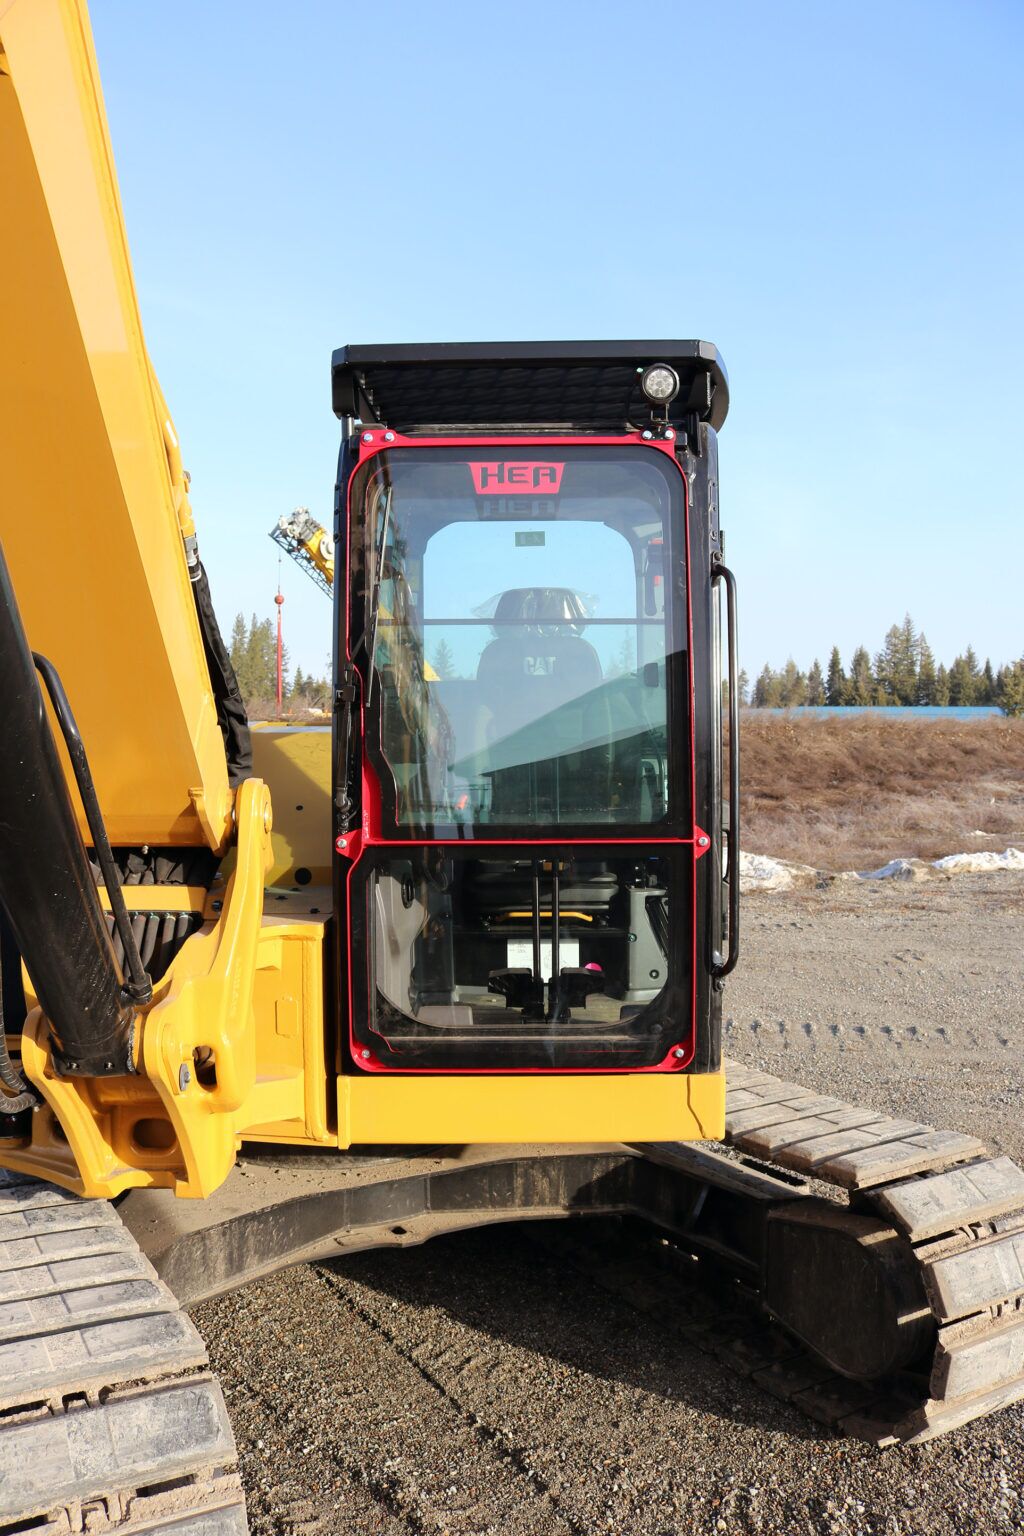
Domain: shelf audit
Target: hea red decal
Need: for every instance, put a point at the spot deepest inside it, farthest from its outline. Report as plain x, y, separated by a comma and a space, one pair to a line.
497, 478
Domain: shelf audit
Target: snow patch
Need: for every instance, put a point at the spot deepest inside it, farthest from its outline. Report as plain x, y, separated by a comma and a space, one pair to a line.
980, 863
759, 872
896, 869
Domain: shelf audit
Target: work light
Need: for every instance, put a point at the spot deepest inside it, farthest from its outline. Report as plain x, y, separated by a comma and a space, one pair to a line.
660, 383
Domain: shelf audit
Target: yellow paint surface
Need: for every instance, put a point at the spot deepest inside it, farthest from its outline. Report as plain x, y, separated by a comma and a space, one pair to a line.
426, 1110
93, 501
295, 764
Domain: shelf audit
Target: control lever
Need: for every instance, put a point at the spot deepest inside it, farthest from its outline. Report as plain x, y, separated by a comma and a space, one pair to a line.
520, 988
571, 988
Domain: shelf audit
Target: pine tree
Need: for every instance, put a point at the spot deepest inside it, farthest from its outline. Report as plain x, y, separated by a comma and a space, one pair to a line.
926, 678
317, 691
974, 673
962, 682
743, 686
987, 690
861, 686
793, 686
1011, 694
254, 657
815, 685
236, 648
767, 690
442, 661
298, 683
835, 686
941, 697
886, 666
908, 661
896, 664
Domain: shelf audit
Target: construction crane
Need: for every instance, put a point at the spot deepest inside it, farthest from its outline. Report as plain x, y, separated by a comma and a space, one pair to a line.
483, 924
310, 546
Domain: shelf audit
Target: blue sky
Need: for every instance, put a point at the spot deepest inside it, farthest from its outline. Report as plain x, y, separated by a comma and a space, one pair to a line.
831, 193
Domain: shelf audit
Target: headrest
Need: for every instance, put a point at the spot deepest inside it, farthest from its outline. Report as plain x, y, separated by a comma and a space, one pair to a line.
549, 610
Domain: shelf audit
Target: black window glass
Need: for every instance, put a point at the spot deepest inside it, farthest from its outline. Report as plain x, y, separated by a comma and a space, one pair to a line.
577, 959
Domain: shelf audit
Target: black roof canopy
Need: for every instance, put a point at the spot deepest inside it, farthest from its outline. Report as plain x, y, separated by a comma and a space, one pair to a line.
592, 385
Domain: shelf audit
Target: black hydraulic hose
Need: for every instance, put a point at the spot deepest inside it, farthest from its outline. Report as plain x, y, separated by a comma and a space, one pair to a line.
536, 923
24, 1097
47, 886
139, 986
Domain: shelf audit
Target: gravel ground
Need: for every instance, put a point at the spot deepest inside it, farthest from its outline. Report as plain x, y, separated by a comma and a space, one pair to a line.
479, 1385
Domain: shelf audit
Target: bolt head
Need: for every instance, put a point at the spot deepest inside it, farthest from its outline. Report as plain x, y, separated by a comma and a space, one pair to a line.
678, 1053
184, 1077
703, 842
365, 1055
647, 434
669, 433
389, 437
367, 437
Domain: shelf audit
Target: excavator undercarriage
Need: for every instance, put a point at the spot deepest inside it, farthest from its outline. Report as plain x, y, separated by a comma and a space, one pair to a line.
868, 1271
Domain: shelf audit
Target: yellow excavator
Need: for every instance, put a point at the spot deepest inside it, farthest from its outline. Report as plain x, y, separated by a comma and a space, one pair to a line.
478, 928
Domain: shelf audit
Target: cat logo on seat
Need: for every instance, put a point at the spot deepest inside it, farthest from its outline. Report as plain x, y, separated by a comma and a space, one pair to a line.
515, 477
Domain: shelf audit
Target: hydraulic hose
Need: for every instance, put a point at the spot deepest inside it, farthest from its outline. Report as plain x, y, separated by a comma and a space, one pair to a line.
139, 986
46, 882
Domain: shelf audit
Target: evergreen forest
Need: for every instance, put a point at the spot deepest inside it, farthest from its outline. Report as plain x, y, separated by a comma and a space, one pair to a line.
904, 672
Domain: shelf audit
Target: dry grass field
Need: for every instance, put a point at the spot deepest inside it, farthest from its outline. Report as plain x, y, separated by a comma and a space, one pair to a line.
853, 793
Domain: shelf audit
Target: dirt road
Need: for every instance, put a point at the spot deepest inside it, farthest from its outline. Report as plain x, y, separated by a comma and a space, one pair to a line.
490, 1383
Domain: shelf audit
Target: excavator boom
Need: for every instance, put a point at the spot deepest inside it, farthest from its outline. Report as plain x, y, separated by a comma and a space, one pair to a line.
97, 526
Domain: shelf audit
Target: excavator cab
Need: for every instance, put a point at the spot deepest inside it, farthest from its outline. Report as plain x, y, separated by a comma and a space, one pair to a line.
529, 739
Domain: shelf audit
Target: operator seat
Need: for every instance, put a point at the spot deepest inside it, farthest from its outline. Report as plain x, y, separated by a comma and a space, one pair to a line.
549, 729
538, 658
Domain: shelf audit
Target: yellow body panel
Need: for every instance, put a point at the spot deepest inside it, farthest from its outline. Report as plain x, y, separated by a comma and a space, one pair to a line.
93, 501
246, 993
427, 1110
233, 1044
295, 762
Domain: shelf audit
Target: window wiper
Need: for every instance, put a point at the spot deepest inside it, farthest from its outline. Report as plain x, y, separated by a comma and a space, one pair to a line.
368, 639
378, 576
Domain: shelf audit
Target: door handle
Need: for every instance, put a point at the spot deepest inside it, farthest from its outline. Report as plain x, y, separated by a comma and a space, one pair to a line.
722, 966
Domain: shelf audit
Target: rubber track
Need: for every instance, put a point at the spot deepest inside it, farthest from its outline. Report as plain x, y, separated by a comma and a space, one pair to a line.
109, 1420
960, 1212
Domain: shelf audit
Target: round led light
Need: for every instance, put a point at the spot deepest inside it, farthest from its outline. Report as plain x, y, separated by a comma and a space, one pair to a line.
660, 383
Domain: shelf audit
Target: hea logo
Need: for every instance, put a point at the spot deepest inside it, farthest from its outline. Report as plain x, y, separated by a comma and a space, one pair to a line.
516, 477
